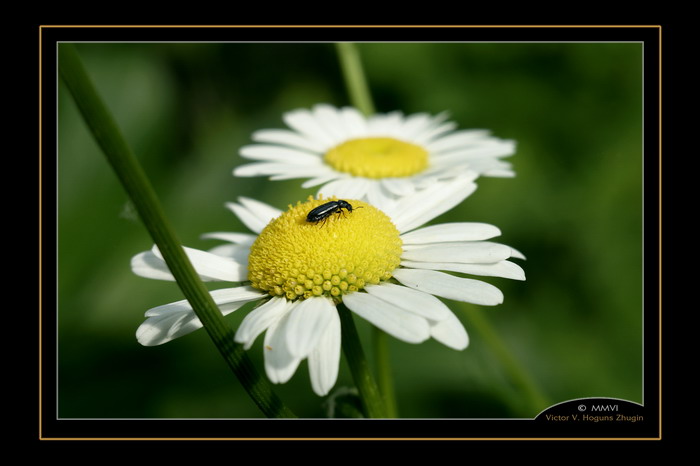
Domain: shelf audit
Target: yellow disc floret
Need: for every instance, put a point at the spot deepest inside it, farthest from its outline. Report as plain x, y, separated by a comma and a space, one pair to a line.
337, 254
378, 158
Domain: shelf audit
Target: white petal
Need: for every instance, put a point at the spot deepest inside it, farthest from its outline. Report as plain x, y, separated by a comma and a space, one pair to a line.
378, 197
395, 321
254, 214
503, 269
260, 319
277, 169
155, 330
466, 137
212, 267
148, 265
411, 300
307, 171
450, 332
517, 254
386, 124
450, 287
281, 170
434, 132
491, 166
399, 186
280, 364
190, 322
467, 252
414, 125
346, 188
497, 173
463, 231
278, 154
306, 325
421, 207
324, 360
288, 138
222, 297
474, 154
267, 169
237, 252
265, 211
323, 178
170, 321
236, 238
306, 123
355, 123
328, 117
436, 173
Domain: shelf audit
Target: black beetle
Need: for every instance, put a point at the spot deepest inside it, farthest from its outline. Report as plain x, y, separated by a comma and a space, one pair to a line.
324, 211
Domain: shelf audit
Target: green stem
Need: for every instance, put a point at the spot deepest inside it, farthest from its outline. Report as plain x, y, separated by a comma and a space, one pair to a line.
517, 375
361, 374
361, 98
138, 187
384, 378
355, 77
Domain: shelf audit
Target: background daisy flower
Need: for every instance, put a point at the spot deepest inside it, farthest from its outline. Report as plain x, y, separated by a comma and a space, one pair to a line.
381, 265
375, 158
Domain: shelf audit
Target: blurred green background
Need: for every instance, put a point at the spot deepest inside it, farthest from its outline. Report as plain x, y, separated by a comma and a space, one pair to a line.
574, 328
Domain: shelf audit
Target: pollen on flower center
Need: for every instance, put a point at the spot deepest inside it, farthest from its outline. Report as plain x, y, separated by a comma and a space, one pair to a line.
378, 158
340, 253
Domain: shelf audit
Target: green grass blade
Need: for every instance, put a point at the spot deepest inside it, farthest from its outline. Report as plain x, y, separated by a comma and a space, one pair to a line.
135, 182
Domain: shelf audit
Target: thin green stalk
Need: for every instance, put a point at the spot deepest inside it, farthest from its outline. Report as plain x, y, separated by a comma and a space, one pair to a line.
354, 76
384, 378
138, 187
369, 391
517, 375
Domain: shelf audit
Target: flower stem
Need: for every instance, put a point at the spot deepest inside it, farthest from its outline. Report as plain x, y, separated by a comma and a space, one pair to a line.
361, 99
138, 187
517, 375
361, 374
384, 379
355, 77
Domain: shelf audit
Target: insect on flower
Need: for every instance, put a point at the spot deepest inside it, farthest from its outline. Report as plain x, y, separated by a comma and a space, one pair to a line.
391, 277
324, 211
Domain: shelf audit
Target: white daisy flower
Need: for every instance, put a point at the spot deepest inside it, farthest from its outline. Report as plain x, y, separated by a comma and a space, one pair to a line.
298, 266
377, 158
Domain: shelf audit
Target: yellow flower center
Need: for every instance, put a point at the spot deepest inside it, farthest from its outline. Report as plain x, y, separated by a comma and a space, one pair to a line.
338, 253
378, 158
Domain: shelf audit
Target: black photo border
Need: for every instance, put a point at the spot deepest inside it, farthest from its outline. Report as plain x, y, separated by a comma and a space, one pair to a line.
49, 428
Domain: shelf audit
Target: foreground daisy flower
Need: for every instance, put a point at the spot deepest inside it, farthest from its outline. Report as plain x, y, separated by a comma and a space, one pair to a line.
299, 266
377, 158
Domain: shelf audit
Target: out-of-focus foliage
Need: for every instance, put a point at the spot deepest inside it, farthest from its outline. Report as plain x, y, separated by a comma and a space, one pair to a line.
574, 209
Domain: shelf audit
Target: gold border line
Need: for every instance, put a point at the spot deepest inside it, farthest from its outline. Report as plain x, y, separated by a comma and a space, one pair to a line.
41, 437
346, 26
